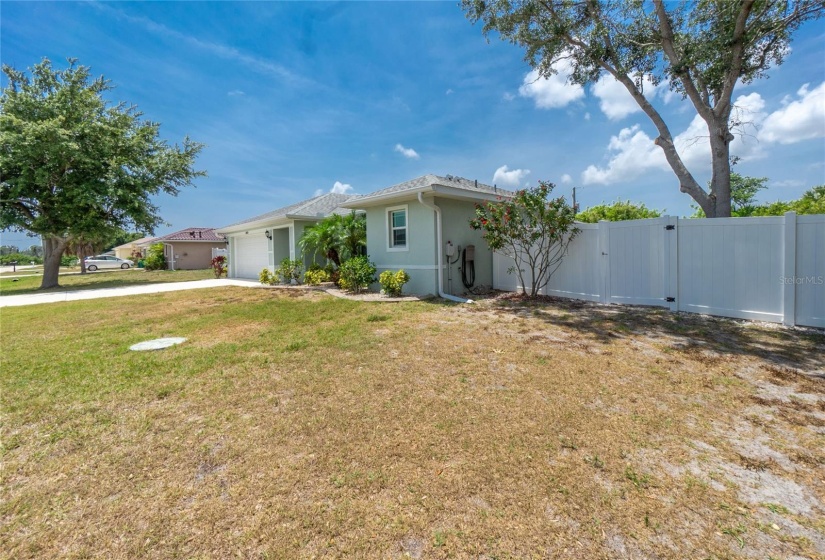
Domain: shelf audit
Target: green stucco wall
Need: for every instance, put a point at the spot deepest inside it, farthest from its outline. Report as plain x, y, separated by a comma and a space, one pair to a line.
419, 260
455, 227
280, 246
300, 225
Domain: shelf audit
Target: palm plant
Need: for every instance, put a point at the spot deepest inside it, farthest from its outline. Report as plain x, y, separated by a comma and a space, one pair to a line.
322, 238
353, 235
337, 237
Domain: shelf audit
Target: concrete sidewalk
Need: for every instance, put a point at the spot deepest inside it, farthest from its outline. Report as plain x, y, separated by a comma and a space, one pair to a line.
74, 295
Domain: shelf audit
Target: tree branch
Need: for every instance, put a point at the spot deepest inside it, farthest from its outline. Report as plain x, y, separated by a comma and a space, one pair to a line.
723, 105
679, 69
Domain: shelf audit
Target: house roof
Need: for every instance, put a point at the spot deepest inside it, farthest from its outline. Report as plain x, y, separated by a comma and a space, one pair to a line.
449, 185
192, 234
313, 209
134, 242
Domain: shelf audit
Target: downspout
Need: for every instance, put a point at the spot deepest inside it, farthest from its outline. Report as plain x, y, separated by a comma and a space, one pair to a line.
441, 292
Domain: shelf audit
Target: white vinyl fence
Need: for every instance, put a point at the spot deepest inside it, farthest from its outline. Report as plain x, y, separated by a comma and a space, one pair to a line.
768, 269
222, 252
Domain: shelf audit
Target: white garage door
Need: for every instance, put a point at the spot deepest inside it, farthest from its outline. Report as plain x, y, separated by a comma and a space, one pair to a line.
250, 255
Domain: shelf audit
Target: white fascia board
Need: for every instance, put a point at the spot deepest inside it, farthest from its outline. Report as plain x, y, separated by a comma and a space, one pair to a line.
384, 198
464, 194
280, 221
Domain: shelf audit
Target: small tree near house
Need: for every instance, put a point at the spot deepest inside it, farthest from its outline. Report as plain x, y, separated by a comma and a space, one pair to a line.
532, 230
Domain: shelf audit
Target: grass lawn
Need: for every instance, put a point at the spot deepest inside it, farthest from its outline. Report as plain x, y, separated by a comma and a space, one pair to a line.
100, 279
299, 425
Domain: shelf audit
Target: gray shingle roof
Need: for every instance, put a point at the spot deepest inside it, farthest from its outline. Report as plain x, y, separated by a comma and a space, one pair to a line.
428, 181
316, 207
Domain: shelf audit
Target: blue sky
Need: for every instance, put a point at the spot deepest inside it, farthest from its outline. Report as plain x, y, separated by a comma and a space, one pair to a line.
297, 98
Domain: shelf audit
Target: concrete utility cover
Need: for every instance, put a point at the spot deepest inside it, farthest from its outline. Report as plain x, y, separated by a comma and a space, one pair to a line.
157, 344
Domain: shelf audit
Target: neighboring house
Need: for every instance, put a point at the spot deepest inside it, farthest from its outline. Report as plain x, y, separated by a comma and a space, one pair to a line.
126, 250
410, 224
190, 248
264, 241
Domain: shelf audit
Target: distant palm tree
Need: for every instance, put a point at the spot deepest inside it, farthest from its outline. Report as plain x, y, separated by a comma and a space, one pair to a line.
82, 247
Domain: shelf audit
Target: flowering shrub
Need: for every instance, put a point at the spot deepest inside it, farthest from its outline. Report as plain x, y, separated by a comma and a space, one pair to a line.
392, 282
532, 230
356, 274
219, 266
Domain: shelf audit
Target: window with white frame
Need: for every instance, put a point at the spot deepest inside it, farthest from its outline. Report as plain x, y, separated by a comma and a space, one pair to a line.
397, 228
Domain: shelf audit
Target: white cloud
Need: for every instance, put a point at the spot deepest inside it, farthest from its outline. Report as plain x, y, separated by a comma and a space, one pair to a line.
408, 153
509, 178
587, 116
508, 96
340, 188
235, 93
632, 151
552, 92
802, 119
788, 183
566, 179
617, 103
749, 116
449, 92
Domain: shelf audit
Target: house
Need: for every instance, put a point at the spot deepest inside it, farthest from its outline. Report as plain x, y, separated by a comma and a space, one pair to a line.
422, 226
127, 250
263, 241
190, 248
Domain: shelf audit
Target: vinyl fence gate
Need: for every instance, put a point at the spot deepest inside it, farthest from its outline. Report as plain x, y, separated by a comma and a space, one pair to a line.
766, 269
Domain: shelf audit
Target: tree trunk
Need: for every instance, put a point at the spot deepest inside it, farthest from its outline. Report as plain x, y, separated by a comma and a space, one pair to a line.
53, 248
720, 138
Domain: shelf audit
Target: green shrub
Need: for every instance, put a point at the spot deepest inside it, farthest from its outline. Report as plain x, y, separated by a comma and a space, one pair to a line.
155, 260
392, 282
357, 274
266, 277
313, 277
332, 273
290, 270
21, 258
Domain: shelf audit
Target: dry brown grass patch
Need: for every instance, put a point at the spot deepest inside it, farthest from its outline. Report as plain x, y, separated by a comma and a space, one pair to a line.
304, 426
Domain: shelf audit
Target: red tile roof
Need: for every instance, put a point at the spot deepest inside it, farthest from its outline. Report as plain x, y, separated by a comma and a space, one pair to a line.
192, 234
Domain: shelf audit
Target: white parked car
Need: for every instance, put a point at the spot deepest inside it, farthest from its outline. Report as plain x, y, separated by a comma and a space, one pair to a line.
105, 261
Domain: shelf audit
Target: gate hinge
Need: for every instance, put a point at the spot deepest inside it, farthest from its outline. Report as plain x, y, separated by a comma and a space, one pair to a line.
670, 299
670, 226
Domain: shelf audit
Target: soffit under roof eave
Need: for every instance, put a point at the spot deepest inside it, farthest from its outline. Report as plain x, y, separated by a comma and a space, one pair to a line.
428, 191
378, 200
463, 194
280, 221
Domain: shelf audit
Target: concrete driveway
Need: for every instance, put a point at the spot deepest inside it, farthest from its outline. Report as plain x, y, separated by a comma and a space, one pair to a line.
73, 295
